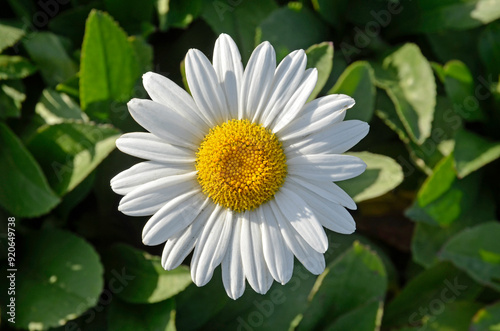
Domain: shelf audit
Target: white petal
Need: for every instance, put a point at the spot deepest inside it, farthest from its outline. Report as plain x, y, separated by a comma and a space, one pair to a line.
301, 217
147, 199
212, 246
147, 146
229, 69
252, 255
204, 86
165, 123
233, 275
296, 103
327, 190
257, 80
326, 166
331, 215
181, 244
279, 258
164, 91
317, 115
337, 139
309, 257
145, 172
287, 77
173, 217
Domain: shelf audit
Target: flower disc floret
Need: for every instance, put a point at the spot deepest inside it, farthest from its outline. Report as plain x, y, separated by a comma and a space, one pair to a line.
241, 165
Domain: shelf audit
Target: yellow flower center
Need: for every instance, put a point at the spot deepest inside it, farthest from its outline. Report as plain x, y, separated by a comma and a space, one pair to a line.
240, 165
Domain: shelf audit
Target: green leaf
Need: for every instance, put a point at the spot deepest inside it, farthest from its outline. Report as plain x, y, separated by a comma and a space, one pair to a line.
460, 88
346, 291
428, 239
439, 144
68, 152
443, 198
473, 152
408, 80
489, 48
24, 190
382, 174
123, 316
477, 251
357, 82
179, 13
70, 87
431, 16
132, 15
487, 318
440, 284
56, 108
457, 316
149, 282
308, 29
9, 35
15, 67
61, 278
11, 98
109, 66
239, 21
320, 56
47, 51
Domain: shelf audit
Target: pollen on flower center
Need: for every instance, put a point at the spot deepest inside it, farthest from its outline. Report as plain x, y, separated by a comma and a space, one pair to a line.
240, 165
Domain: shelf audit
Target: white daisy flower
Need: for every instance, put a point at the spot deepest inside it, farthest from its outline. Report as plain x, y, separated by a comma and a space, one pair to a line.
242, 170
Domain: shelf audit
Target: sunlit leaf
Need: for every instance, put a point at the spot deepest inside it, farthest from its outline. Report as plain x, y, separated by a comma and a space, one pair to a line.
381, 175
477, 252
109, 67
357, 81
68, 152
320, 56
473, 152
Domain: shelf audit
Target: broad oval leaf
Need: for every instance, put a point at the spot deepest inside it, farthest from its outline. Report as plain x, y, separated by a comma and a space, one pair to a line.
59, 279
473, 152
68, 152
382, 174
357, 81
320, 56
407, 77
477, 251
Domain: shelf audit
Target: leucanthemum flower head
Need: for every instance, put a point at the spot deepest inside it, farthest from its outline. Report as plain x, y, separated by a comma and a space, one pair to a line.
241, 171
